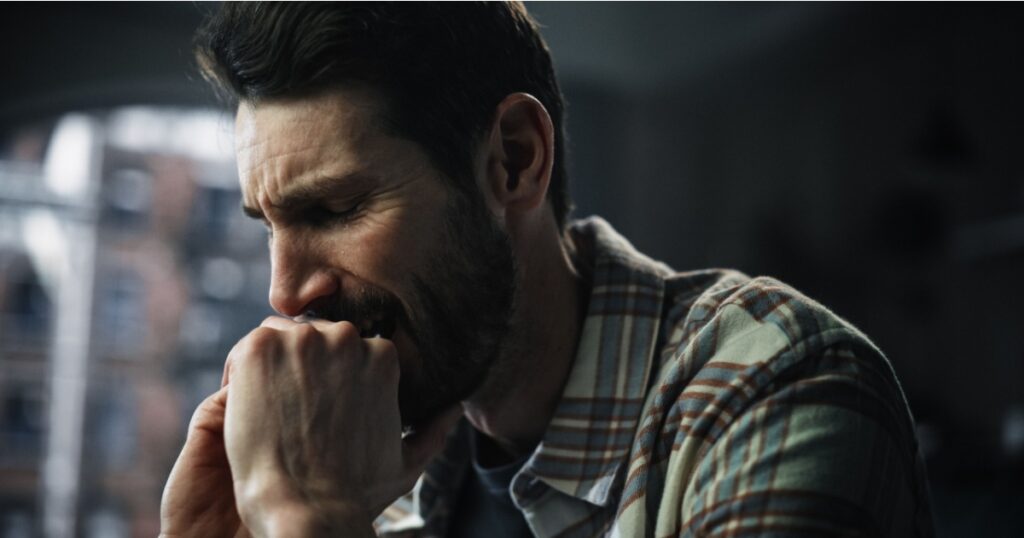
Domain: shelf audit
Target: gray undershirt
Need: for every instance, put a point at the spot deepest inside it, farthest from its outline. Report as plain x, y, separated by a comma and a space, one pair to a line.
485, 506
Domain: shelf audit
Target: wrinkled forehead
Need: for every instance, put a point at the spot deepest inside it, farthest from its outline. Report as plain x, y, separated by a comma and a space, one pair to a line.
293, 124
284, 138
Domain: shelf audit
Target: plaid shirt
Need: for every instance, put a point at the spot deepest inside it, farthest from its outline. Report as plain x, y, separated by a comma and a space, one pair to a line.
705, 404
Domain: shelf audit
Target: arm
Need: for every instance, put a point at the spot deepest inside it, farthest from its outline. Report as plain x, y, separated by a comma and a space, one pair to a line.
826, 450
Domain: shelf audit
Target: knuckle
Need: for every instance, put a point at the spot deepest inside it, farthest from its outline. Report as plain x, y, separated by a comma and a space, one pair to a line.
261, 338
347, 333
347, 328
260, 342
308, 343
306, 335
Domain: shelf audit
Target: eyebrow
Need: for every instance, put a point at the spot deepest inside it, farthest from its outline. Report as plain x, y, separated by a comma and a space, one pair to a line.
302, 195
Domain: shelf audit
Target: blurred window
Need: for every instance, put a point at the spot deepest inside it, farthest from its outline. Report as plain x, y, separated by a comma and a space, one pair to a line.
127, 272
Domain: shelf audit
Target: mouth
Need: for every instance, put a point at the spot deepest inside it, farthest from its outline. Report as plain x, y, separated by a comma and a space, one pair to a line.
382, 325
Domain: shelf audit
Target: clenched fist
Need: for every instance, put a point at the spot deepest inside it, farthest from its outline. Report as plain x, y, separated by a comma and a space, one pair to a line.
311, 432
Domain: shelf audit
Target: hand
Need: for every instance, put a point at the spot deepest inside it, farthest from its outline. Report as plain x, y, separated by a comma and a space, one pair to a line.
199, 498
313, 432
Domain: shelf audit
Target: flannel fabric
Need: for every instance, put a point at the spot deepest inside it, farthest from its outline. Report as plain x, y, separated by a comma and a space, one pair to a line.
705, 404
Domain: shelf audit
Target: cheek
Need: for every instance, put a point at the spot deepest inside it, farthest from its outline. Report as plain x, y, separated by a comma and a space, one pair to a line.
387, 248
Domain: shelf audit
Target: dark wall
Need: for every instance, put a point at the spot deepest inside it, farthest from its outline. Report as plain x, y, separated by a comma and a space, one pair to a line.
872, 155
862, 161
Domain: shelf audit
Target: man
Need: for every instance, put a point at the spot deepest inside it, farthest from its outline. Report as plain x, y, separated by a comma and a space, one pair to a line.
444, 326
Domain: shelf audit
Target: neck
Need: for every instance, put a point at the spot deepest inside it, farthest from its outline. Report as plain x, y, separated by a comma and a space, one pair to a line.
516, 402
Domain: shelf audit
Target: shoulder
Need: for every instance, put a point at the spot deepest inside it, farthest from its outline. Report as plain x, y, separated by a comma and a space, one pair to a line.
765, 394
735, 344
727, 318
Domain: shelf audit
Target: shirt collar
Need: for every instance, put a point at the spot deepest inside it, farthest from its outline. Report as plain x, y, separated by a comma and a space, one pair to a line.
592, 430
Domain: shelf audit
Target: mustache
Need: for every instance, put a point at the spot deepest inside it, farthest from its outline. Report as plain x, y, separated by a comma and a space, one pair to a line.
367, 302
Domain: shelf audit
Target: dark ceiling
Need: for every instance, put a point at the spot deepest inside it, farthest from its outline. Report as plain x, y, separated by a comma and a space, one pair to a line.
62, 56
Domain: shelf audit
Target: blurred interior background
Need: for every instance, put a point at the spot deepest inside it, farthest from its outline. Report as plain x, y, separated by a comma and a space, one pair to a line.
871, 155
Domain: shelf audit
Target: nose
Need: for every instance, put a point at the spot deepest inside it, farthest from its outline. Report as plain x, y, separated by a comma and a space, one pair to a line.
298, 277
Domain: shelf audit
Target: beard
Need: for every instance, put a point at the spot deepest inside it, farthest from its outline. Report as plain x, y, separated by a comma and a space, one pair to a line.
461, 306
466, 297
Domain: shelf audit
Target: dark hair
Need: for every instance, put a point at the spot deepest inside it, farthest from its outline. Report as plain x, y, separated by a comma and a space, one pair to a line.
442, 68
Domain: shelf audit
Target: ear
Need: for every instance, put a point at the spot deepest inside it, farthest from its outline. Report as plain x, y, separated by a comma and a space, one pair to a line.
520, 153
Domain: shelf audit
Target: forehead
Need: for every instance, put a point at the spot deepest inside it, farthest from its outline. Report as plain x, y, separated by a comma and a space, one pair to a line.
284, 145
292, 154
284, 140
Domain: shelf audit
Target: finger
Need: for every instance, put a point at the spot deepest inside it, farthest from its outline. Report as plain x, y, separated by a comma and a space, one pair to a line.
277, 322
423, 444
209, 415
284, 324
382, 358
379, 348
224, 377
229, 363
323, 324
342, 335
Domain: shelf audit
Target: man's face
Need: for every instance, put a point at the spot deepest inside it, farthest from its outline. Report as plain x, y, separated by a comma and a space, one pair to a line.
363, 228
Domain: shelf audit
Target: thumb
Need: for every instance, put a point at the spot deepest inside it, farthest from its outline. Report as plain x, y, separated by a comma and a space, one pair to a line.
209, 416
423, 444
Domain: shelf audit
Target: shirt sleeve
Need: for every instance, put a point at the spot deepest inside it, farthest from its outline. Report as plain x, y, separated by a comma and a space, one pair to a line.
825, 449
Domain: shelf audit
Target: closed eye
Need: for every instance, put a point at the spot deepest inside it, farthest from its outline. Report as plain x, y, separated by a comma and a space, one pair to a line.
326, 216
313, 216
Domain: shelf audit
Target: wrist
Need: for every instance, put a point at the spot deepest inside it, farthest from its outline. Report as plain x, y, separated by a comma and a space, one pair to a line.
303, 520
272, 507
